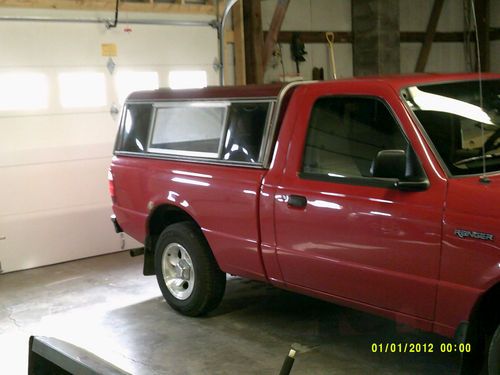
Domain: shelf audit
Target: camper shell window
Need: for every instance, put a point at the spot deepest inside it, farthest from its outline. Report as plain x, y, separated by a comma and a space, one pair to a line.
229, 131
188, 130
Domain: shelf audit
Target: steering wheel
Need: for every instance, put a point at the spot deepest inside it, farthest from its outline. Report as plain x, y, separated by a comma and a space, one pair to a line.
490, 143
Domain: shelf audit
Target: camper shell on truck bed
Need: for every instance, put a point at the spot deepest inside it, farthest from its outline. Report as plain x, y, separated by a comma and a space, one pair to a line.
381, 193
254, 125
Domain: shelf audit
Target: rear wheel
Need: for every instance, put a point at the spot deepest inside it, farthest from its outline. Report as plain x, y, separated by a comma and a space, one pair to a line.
186, 270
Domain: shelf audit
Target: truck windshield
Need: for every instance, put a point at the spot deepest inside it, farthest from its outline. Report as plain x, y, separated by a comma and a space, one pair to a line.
460, 123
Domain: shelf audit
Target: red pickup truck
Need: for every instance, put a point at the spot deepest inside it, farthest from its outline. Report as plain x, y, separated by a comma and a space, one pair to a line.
382, 194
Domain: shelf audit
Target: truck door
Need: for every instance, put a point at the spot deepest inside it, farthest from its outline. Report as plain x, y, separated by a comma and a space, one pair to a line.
341, 232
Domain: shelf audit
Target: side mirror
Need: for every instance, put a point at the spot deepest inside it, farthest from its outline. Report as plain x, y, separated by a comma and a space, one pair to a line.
392, 164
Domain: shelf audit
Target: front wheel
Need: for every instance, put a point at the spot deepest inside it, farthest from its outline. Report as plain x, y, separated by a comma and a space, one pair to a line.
494, 353
186, 270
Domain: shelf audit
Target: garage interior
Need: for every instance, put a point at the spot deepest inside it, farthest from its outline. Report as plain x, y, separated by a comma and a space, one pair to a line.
67, 67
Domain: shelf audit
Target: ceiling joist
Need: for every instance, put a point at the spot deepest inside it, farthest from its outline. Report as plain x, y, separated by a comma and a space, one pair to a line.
109, 5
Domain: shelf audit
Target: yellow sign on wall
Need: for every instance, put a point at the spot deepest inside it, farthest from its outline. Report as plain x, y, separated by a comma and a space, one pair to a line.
108, 49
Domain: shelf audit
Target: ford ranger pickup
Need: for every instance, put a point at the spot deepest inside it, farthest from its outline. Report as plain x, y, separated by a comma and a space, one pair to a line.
381, 194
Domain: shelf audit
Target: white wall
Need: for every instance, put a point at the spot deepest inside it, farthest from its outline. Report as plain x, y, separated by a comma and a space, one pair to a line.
54, 203
444, 57
323, 15
312, 15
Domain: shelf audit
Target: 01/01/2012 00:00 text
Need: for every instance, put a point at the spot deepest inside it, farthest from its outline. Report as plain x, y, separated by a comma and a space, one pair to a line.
420, 348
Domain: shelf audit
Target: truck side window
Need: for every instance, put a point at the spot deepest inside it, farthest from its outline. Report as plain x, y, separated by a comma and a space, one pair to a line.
246, 123
136, 127
345, 135
188, 130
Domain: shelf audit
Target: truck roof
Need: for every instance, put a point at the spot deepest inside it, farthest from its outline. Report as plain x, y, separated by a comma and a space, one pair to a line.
211, 92
273, 90
401, 81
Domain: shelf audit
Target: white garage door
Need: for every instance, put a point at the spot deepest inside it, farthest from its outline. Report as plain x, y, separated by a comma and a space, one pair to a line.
57, 133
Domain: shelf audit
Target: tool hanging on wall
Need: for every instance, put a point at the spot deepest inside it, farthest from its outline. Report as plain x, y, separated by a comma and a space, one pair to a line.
330, 39
318, 74
298, 50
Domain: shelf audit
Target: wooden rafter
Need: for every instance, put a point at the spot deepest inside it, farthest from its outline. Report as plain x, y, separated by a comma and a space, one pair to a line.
429, 36
105, 5
274, 29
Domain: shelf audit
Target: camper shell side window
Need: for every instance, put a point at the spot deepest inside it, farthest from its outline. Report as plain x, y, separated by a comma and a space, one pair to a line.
229, 131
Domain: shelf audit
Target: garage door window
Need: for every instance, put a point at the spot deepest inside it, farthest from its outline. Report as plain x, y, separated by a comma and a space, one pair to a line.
187, 79
82, 90
129, 81
23, 91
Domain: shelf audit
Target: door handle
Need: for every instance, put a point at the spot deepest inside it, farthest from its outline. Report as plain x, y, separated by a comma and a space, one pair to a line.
297, 201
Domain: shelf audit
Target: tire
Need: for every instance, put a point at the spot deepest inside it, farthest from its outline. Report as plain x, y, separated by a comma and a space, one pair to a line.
494, 353
188, 275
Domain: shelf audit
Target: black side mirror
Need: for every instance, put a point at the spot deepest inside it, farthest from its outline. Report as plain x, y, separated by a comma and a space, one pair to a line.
392, 164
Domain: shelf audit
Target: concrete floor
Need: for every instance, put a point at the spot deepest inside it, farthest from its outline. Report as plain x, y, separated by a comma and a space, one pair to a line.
106, 306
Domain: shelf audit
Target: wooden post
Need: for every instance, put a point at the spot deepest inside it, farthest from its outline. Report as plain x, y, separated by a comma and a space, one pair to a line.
423, 57
376, 36
483, 31
274, 29
254, 41
228, 38
239, 45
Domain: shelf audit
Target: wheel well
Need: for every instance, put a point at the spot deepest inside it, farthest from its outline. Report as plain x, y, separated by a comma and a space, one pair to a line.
166, 215
487, 310
162, 217
483, 320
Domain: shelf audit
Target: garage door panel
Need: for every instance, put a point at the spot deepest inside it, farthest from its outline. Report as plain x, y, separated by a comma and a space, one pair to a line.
53, 236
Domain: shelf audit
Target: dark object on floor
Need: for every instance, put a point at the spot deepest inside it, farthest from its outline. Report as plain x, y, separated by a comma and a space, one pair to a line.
50, 356
288, 362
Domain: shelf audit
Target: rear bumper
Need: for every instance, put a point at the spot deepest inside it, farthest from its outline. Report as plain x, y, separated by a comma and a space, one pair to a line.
118, 228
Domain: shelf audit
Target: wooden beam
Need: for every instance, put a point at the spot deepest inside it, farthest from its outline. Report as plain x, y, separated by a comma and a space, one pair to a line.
274, 29
105, 5
312, 37
423, 57
442, 37
229, 36
254, 41
483, 31
239, 45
